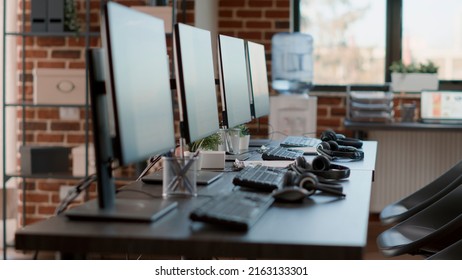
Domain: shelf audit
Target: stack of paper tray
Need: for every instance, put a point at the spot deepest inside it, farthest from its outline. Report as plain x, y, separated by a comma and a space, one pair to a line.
370, 106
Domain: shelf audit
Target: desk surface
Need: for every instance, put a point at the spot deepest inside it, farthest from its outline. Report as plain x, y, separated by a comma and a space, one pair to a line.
322, 227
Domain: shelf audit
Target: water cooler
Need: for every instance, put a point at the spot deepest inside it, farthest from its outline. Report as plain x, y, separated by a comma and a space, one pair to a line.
293, 111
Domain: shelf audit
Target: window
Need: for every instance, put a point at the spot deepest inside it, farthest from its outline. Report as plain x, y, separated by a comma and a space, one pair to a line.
349, 40
356, 40
432, 30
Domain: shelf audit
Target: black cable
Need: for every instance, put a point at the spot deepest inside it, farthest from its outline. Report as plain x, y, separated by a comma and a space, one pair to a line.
74, 193
152, 161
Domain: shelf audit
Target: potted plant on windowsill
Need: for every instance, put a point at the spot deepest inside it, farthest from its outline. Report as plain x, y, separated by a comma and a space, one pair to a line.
413, 77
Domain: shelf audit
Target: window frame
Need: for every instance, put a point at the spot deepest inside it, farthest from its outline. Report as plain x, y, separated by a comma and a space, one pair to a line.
393, 43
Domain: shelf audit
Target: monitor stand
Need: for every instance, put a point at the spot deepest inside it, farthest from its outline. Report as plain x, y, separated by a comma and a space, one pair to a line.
135, 210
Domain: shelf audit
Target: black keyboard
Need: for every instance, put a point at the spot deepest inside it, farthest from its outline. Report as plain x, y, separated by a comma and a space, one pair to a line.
236, 210
259, 177
299, 141
281, 153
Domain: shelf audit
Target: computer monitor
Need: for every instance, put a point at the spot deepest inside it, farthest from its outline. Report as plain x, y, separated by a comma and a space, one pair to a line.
234, 81
256, 60
195, 82
133, 113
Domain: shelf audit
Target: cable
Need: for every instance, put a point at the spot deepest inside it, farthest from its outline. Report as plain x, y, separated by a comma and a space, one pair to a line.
74, 193
139, 191
152, 161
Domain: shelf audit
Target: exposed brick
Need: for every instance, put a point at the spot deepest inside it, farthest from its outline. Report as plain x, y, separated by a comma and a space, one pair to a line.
49, 138
29, 137
37, 197
28, 41
65, 126
250, 35
48, 113
282, 24
277, 14
261, 3
29, 209
231, 3
283, 3
28, 113
51, 41
75, 138
29, 65
76, 42
34, 125
77, 65
249, 14
26, 77
50, 64
69, 54
330, 122
35, 53
330, 100
258, 24
322, 111
338, 111
230, 24
28, 90
46, 210
225, 14
49, 186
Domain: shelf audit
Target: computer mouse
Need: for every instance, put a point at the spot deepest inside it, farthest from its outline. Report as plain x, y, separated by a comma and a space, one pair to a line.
290, 194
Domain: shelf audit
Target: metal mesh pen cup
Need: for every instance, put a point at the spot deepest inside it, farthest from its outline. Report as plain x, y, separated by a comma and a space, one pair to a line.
179, 176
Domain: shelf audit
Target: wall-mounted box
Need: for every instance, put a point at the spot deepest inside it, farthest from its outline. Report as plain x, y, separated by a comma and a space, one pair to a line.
44, 159
38, 16
162, 12
55, 16
78, 160
59, 86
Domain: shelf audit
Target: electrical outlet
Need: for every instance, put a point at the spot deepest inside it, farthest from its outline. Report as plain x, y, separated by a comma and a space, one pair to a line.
64, 190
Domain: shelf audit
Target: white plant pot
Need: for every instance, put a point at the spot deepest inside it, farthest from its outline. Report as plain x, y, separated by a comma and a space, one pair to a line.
413, 82
244, 142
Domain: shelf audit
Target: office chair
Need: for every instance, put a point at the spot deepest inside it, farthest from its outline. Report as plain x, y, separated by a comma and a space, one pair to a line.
412, 204
453, 252
427, 232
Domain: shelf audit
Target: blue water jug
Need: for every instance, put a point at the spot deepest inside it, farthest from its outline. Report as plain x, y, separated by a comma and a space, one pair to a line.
292, 62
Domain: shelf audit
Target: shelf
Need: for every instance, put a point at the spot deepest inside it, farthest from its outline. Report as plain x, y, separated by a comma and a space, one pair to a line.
406, 126
53, 34
45, 105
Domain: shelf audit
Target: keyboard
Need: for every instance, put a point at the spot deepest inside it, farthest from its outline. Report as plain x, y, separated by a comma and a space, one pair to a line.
281, 153
299, 141
261, 178
235, 210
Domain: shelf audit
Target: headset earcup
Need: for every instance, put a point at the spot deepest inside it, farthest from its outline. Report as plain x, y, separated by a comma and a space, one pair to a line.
302, 163
333, 145
290, 178
328, 135
309, 182
320, 163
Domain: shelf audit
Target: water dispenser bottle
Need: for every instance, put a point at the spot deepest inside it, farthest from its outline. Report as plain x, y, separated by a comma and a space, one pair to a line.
292, 62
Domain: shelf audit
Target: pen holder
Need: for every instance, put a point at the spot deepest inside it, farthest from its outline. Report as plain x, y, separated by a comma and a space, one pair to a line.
230, 140
179, 176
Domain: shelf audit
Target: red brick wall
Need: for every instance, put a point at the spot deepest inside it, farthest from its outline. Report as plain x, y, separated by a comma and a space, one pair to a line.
43, 125
257, 21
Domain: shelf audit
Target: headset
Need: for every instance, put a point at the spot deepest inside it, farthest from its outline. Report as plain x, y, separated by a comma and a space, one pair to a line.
310, 182
333, 151
322, 167
330, 135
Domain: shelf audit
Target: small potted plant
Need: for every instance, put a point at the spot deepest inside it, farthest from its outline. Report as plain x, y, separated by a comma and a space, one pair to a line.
244, 137
209, 156
414, 77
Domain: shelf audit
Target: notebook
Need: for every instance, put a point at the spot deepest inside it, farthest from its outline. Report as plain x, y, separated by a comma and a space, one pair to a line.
437, 106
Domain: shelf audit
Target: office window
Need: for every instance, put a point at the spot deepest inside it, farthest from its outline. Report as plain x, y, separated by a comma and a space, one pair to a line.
349, 40
432, 30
